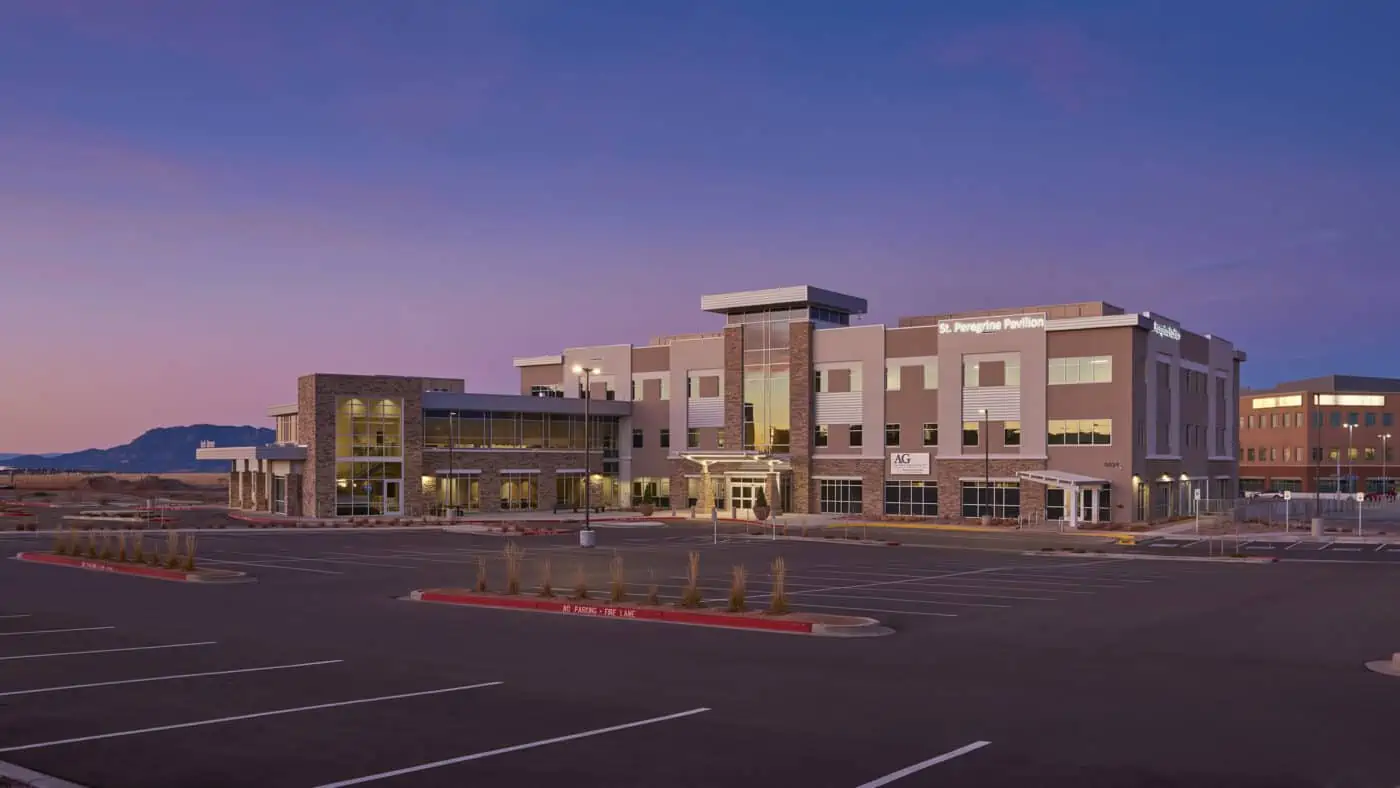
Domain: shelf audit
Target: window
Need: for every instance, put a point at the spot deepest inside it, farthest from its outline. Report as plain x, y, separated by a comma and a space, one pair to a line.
651, 489
637, 440
891, 377
820, 381
1080, 369
1352, 453
1370, 419
1334, 454
719, 439
690, 387
692, 438
1353, 417
911, 498
368, 427
1002, 500
1387, 419
970, 433
1317, 454
1251, 422
821, 436
519, 491
1286, 454
1298, 453
891, 434
1353, 400
546, 391
971, 374
930, 434
1080, 432
1336, 418
857, 435
1249, 455
1013, 372
1273, 419
931, 374
633, 391
1273, 455
1370, 453
665, 438
838, 496
1012, 433
610, 394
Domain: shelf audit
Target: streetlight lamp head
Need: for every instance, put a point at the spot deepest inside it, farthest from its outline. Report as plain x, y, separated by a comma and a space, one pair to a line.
596, 371
578, 369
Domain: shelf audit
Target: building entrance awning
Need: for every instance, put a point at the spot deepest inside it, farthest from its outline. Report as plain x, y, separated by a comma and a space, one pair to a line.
752, 459
1062, 479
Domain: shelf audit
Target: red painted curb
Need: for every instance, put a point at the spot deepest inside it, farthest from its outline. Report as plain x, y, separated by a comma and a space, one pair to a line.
603, 610
118, 569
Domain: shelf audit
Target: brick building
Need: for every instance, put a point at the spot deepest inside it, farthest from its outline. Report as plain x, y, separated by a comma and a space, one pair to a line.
1327, 434
1075, 411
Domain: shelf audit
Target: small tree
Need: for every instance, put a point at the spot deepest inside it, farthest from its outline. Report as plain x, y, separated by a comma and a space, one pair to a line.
761, 500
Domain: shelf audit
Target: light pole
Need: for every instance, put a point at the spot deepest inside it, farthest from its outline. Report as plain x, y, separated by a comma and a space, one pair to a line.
1351, 428
1385, 457
451, 463
586, 539
986, 469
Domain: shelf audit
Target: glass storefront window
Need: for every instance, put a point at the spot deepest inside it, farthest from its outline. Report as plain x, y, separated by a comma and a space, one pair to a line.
520, 491
368, 488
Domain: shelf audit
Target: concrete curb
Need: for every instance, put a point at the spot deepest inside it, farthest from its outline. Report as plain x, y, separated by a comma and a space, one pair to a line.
1137, 557
1120, 537
817, 539
1386, 667
848, 626
32, 778
149, 572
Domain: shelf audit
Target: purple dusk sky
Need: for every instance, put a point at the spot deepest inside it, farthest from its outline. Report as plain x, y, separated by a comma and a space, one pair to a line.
200, 201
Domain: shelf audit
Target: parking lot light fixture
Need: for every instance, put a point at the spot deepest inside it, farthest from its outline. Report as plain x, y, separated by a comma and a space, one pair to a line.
1385, 463
587, 373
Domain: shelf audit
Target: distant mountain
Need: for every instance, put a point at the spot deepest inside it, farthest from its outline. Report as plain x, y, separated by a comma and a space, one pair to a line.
161, 450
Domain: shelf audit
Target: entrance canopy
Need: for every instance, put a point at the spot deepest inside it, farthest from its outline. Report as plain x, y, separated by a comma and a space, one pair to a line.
754, 459
1062, 479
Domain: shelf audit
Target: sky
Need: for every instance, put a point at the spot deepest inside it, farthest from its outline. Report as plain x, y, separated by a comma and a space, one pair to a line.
201, 201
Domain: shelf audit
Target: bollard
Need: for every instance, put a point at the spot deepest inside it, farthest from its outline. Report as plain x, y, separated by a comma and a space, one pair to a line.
1317, 527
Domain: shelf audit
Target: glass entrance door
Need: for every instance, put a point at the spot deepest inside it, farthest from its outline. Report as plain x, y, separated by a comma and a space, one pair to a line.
741, 497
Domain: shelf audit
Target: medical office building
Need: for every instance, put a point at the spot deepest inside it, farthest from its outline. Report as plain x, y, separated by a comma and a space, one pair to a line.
1080, 411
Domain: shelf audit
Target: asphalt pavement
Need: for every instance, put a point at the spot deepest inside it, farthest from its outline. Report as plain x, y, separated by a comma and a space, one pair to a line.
1005, 669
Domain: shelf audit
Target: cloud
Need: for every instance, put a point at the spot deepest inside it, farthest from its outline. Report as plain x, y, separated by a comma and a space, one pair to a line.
1057, 60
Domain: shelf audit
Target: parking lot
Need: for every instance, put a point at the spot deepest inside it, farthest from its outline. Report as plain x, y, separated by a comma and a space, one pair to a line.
1005, 668
1299, 549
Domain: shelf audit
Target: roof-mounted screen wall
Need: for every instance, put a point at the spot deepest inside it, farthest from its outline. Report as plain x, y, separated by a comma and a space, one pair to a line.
818, 313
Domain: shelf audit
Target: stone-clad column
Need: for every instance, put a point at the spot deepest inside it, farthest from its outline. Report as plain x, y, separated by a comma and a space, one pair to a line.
294, 494
259, 485
733, 389
234, 498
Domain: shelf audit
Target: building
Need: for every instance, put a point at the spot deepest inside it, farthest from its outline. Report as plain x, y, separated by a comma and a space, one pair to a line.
1327, 434
1081, 412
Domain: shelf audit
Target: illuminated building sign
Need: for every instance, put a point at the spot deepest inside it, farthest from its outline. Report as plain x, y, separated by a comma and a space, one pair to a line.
1290, 401
991, 325
1166, 331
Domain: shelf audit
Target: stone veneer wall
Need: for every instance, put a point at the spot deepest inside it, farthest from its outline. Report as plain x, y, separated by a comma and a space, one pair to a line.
872, 479
801, 407
952, 472
491, 463
733, 387
316, 399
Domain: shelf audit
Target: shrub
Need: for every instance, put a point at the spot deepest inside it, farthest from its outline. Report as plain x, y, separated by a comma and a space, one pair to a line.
653, 592
514, 555
138, 549
738, 587
691, 596
618, 589
172, 549
480, 574
189, 552
546, 584
106, 552
580, 583
778, 602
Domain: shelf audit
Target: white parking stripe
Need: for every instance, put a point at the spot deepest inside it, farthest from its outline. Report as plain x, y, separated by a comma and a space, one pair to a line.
267, 565
51, 631
238, 717
303, 559
168, 678
513, 748
106, 650
927, 613
921, 765
964, 591
16, 615
902, 600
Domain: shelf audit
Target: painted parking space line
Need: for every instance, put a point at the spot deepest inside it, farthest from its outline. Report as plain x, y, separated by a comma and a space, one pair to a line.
934, 586
14, 615
150, 679
269, 565
1009, 575
719, 587
239, 717
422, 767
1307, 546
921, 765
106, 651
52, 631
902, 600
304, 559
925, 613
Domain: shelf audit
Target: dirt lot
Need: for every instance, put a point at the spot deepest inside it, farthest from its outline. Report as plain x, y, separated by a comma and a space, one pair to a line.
65, 488
74, 481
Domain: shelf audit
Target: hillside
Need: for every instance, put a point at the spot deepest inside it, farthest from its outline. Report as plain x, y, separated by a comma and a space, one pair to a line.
161, 450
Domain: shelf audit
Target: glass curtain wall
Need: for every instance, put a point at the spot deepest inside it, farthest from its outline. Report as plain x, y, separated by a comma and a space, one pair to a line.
474, 429
767, 368
369, 456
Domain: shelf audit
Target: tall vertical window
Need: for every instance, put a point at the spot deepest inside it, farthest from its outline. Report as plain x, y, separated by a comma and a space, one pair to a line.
930, 434
665, 442
1012, 433
520, 491
692, 438
839, 496
972, 374
1013, 372
891, 434
931, 374
368, 432
891, 376
1370, 419
821, 436
857, 435
638, 439
767, 417
821, 380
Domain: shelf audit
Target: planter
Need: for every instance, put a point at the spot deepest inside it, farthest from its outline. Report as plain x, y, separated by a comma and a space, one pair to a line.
762, 512
137, 570
646, 510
